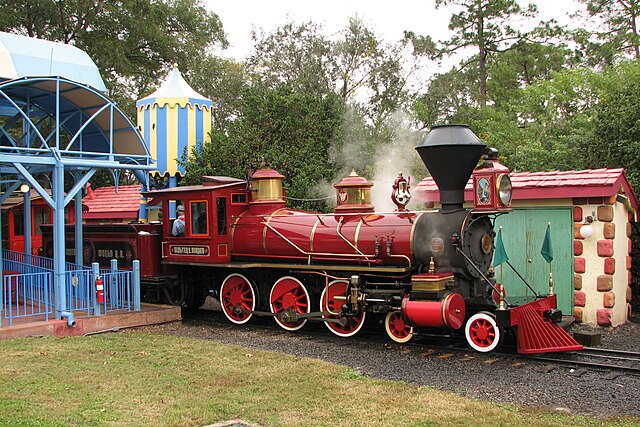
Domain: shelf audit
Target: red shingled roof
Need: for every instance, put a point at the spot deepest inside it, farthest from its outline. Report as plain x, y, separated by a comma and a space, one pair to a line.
550, 185
107, 204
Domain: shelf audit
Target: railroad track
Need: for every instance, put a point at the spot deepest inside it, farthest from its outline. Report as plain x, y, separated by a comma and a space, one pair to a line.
446, 346
602, 359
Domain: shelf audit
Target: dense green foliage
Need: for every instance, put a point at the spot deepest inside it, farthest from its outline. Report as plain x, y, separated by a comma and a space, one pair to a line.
616, 121
483, 25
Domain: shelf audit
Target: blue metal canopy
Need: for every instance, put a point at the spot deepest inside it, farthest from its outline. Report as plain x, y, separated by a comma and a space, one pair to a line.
22, 56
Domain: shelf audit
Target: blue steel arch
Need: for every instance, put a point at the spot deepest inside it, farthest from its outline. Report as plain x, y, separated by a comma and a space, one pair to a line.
96, 125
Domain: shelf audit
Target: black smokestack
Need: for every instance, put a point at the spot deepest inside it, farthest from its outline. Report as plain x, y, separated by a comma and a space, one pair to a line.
450, 153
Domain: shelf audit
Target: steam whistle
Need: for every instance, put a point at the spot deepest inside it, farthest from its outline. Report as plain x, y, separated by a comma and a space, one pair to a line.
400, 194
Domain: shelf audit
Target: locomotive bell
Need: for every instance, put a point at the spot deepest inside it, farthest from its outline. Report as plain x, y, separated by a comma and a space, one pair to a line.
450, 153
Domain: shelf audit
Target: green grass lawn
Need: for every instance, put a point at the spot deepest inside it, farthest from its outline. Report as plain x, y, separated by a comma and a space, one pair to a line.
136, 379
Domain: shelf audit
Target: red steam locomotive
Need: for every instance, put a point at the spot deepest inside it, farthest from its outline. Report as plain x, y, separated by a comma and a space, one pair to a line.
417, 270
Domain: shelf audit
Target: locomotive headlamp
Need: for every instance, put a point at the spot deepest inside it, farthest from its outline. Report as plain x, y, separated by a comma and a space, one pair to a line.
505, 189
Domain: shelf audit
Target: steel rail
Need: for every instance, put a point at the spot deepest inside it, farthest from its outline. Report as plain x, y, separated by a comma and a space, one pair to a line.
582, 363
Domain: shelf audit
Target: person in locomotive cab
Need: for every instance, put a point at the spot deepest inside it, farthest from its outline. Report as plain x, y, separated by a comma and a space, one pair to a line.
179, 224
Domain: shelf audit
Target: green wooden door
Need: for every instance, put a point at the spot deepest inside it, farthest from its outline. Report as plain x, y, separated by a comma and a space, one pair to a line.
523, 232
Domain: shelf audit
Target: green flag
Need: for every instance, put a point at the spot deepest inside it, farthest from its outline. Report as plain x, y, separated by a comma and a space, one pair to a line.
500, 255
547, 249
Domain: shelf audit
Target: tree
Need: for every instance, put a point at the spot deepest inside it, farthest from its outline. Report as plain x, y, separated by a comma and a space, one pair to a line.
355, 65
524, 64
619, 34
447, 95
616, 141
484, 26
373, 75
296, 55
221, 80
548, 126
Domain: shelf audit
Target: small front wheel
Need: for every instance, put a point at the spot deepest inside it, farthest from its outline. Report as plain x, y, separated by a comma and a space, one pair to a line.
482, 332
396, 327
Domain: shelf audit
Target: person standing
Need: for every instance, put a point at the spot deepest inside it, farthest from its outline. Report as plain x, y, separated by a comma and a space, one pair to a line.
179, 225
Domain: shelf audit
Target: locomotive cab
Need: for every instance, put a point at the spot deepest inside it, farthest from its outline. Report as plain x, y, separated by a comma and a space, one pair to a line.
207, 210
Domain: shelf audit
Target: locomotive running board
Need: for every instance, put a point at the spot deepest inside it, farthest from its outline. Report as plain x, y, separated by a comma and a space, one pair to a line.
537, 334
299, 267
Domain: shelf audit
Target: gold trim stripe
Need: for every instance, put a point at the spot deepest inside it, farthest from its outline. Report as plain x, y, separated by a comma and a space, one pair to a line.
359, 268
444, 306
411, 234
233, 229
313, 235
266, 227
357, 235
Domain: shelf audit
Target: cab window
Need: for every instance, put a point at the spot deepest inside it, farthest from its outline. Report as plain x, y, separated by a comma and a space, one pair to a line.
222, 215
238, 199
199, 217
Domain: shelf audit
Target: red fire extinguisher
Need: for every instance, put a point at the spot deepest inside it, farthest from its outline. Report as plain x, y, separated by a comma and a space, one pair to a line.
99, 290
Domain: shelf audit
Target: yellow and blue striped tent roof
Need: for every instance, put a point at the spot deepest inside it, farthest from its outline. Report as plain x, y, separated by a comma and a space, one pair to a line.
174, 119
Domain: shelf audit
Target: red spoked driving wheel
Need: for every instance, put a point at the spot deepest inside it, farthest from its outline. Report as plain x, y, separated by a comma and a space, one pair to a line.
237, 295
397, 328
289, 295
328, 302
482, 332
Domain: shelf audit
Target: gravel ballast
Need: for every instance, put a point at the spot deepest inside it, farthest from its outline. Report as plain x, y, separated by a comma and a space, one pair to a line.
496, 378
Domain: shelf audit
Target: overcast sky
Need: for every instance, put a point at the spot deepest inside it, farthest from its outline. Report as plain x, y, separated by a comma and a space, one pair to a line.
387, 18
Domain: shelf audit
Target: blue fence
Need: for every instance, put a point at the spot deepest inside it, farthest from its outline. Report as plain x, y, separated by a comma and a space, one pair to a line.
28, 294
28, 288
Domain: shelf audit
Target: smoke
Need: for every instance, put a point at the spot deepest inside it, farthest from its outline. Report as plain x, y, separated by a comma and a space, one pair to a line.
349, 153
398, 155
379, 162
354, 151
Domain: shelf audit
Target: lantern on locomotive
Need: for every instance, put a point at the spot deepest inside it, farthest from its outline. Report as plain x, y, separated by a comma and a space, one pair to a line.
492, 187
